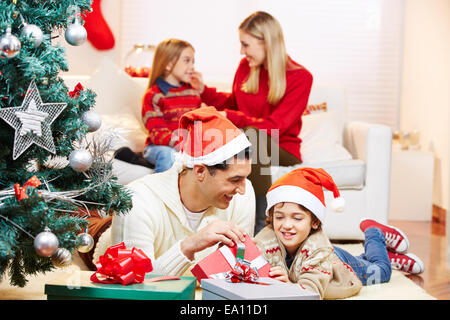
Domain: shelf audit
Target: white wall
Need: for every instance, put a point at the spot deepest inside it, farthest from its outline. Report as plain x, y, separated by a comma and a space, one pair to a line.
426, 84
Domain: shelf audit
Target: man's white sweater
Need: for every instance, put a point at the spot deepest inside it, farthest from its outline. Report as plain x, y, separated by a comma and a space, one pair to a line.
157, 222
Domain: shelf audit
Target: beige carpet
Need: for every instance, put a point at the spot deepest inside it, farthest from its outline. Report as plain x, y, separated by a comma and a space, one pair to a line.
399, 287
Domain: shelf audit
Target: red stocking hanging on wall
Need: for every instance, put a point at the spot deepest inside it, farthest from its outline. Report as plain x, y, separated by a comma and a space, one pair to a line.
98, 32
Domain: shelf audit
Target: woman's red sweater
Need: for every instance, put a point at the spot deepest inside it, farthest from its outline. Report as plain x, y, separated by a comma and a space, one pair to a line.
244, 109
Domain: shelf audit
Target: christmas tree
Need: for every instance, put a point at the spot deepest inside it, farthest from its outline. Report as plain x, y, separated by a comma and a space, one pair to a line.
52, 175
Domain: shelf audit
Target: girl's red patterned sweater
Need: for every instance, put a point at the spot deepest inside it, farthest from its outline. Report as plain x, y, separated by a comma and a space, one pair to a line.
162, 108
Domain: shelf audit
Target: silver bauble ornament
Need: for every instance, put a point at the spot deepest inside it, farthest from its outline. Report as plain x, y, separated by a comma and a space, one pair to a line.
80, 160
75, 34
62, 258
9, 45
92, 119
34, 33
46, 243
86, 242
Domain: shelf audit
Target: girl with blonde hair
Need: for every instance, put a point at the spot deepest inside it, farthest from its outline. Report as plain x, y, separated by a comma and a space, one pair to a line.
269, 95
168, 97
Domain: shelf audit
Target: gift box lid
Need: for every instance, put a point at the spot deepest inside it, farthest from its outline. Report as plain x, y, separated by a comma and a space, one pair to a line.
276, 290
79, 286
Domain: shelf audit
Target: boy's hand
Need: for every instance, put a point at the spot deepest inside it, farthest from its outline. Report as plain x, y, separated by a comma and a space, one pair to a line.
279, 273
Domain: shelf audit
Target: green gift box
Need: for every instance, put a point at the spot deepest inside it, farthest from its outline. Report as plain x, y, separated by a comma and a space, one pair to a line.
78, 286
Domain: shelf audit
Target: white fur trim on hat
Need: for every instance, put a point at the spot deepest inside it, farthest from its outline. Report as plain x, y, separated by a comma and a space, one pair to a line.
298, 195
219, 155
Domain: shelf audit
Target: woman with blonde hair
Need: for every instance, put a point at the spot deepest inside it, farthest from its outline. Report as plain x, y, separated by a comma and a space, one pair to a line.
269, 94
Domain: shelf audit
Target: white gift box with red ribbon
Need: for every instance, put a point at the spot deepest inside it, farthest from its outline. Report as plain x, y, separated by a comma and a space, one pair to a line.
257, 263
220, 262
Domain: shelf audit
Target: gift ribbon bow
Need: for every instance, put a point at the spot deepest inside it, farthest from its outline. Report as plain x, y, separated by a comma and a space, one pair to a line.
21, 191
242, 272
76, 90
226, 252
121, 265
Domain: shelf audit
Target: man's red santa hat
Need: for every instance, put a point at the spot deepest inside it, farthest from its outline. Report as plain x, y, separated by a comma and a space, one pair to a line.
304, 186
209, 138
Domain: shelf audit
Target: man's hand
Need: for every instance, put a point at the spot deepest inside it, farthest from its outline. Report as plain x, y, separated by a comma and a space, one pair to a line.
217, 231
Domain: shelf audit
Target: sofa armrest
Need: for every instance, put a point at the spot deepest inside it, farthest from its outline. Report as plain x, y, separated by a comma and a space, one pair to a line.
372, 143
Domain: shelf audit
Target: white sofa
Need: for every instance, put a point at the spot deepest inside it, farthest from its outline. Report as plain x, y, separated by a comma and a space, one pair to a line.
363, 176
356, 154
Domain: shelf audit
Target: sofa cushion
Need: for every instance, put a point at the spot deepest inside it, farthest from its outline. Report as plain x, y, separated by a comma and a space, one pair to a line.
132, 132
320, 136
347, 174
336, 100
128, 172
117, 92
315, 108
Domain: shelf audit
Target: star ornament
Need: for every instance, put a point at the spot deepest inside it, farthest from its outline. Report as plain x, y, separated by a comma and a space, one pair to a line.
32, 121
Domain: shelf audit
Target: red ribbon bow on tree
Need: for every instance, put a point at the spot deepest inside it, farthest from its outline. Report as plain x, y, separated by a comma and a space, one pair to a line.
76, 91
242, 272
121, 265
21, 191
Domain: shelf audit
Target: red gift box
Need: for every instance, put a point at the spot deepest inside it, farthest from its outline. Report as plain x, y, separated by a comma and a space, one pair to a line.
223, 260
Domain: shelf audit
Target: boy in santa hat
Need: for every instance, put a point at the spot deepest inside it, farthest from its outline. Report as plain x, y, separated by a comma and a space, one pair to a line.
179, 216
298, 250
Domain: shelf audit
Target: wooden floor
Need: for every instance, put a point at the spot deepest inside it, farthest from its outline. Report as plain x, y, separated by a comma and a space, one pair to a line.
428, 242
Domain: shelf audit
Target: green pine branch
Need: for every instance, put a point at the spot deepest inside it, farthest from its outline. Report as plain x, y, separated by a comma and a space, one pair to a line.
44, 65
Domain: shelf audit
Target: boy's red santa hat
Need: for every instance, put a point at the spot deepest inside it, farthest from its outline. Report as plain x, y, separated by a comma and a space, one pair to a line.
304, 186
209, 138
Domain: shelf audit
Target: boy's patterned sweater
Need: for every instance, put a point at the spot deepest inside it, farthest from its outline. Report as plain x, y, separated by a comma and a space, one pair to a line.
315, 266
